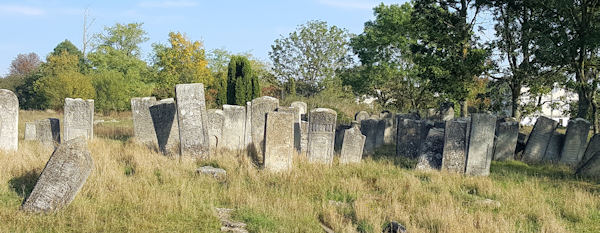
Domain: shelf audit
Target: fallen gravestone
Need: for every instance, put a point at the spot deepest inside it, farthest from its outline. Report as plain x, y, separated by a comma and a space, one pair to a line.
29, 131
143, 130
62, 177
9, 120
575, 142
554, 147
361, 116
228, 225
78, 119
164, 120
507, 131
233, 125
279, 141
192, 120
411, 133
481, 144
352, 146
260, 107
431, 150
538, 140
47, 131
215, 121
217, 173
456, 142
321, 135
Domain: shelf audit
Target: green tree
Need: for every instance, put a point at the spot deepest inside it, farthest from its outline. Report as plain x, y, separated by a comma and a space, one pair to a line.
123, 37
242, 82
67, 46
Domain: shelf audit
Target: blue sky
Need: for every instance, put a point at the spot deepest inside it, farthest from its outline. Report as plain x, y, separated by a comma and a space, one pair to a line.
238, 26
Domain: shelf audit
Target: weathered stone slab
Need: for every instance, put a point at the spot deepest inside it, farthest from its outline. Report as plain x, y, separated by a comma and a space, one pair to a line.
233, 127
248, 126
593, 147
30, 131
9, 120
430, 153
339, 136
279, 141
193, 120
505, 144
143, 129
369, 128
456, 142
302, 108
481, 144
260, 107
352, 147
361, 116
304, 136
64, 175
411, 133
386, 114
296, 112
575, 142
216, 119
555, 145
321, 135
47, 131
379, 133
538, 140
78, 119
389, 129
166, 127
446, 111
590, 168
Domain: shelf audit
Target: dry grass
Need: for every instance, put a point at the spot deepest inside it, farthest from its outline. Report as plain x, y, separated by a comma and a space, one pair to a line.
133, 189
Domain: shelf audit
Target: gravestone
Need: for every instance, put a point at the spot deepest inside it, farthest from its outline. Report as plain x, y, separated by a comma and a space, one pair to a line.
446, 111
411, 133
361, 116
304, 136
296, 112
389, 131
279, 141
591, 167
166, 127
481, 144
352, 146
143, 130
555, 145
456, 142
339, 136
216, 119
321, 135
593, 147
385, 114
9, 120
78, 119
430, 153
302, 108
47, 131
30, 131
575, 142
507, 131
410, 116
248, 126
233, 127
62, 177
369, 128
538, 140
260, 107
192, 120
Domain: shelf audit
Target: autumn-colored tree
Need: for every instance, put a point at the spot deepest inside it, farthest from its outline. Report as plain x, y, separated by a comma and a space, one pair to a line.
24, 64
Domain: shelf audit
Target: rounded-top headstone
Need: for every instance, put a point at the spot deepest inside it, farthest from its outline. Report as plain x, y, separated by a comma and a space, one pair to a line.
302, 107
9, 120
360, 116
321, 135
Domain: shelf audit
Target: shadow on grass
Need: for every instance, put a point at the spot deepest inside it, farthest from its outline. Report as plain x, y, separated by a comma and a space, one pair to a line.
23, 185
551, 171
387, 153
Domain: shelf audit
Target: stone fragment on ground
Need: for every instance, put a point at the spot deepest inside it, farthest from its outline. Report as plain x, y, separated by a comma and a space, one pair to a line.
215, 172
228, 225
394, 227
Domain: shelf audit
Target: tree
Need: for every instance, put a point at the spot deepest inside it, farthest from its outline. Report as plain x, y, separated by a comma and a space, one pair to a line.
24, 64
123, 37
242, 83
312, 53
67, 46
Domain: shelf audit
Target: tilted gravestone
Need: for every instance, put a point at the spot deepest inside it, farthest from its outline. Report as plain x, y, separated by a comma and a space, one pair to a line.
507, 131
233, 127
260, 107
321, 135
301, 106
593, 147
62, 177
279, 141
29, 131
216, 118
411, 133
456, 142
193, 120
248, 126
575, 142
304, 136
555, 145
481, 144
339, 136
9, 120
143, 130
164, 121
446, 111
78, 119
369, 128
430, 153
538, 140
361, 116
47, 131
591, 167
296, 112
352, 147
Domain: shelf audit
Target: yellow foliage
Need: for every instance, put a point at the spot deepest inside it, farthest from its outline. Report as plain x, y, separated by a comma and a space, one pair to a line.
61, 63
186, 59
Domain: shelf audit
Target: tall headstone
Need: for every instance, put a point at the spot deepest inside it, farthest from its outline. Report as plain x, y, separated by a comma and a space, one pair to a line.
29, 131
47, 131
430, 153
233, 127
302, 108
296, 112
575, 142
361, 116
143, 130
304, 136
507, 131
62, 177
340, 131
192, 119
9, 120
321, 135
538, 140
352, 146
447, 111
164, 121
369, 128
555, 145
260, 107
279, 141
411, 133
481, 144
593, 147
78, 119
591, 167
248, 126
390, 126
216, 119
456, 142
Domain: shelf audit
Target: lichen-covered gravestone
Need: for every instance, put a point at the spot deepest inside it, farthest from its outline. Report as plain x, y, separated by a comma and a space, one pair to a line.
507, 131
296, 112
47, 131
302, 108
389, 124
593, 147
369, 128
9, 120
352, 146
260, 107
164, 121
361, 116
233, 127
321, 135
62, 177
216, 118
303, 136
248, 126
456, 141
430, 157
481, 144
279, 141
555, 145
78, 119
575, 142
192, 119
30, 131
143, 130
538, 140
411, 133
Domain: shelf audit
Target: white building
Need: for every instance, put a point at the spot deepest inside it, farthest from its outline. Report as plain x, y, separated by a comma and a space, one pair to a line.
555, 105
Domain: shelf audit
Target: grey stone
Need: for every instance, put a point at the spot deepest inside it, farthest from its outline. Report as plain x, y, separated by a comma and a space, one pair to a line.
339, 136
164, 121
481, 144
216, 119
143, 130
430, 153
304, 136
505, 144
410, 116
456, 142
260, 107
593, 147
47, 131
212, 171
62, 177
555, 145
538, 140
301, 106
389, 131
352, 147
321, 135
9, 120
360, 116
446, 111
248, 126
373, 131
296, 122
233, 127
30, 131
193, 120
279, 141
591, 167
411, 133
575, 142
394, 227
78, 119
386, 114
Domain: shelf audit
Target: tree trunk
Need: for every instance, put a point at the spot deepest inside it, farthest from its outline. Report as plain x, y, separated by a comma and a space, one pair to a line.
516, 101
464, 108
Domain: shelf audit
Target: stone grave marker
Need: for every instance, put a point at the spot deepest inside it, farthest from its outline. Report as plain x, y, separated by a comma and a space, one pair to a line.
339, 136
505, 144
216, 119
360, 116
30, 131
321, 135
164, 121
575, 142
9, 120
304, 136
78, 119
248, 126
430, 153
47, 131
193, 120
352, 147
456, 142
296, 112
592, 148
591, 167
557, 141
143, 129
260, 107
369, 128
446, 111
481, 144
411, 133
538, 140
233, 127
279, 141
301, 106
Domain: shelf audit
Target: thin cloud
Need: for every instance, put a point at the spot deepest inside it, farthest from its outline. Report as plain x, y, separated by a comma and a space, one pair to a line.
21, 10
167, 4
356, 5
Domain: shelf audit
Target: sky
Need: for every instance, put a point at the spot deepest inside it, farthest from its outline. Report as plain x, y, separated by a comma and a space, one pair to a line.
237, 26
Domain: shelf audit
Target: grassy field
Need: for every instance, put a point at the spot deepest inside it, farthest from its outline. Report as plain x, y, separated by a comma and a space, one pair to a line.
133, 189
